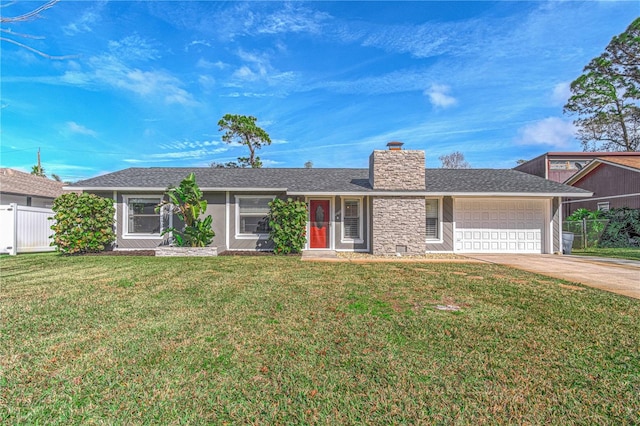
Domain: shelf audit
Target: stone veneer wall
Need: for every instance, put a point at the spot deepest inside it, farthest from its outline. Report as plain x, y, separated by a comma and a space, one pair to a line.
398, 221
186, 251
397, 170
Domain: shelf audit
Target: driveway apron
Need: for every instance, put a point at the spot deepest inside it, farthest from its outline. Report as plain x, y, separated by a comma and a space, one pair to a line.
614, 275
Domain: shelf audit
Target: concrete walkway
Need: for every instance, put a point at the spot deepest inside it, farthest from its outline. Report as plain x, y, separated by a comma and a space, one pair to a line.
320, 255
615, 275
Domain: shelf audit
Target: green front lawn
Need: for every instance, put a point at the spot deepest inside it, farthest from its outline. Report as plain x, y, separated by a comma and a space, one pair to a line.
619, 253
266, 340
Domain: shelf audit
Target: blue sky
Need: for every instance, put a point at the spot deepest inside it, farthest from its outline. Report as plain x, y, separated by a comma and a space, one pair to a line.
147, 82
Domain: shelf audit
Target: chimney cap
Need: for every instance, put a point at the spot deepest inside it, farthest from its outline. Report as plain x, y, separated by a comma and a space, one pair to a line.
395, 145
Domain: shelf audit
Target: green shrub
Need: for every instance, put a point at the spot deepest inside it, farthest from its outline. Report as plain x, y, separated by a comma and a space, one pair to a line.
187, 202
288, 223
581, 214
623, 229
84, 223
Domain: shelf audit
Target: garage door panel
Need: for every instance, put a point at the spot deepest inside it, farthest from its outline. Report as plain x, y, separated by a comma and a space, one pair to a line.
500, 225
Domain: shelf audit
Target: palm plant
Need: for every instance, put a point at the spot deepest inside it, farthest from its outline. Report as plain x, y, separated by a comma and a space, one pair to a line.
187, 203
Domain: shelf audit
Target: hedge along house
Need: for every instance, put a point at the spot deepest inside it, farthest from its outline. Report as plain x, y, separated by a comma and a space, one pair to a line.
394, 206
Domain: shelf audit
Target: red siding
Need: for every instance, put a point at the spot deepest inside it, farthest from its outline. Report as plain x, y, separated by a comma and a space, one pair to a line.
607, 181
561, 175
536, 167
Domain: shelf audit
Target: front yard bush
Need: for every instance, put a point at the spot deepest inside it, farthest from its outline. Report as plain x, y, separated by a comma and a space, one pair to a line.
83, 223
623, 229
187, 201
288, 224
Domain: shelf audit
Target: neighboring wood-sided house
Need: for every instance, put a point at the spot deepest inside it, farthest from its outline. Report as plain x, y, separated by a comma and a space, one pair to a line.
560, 166
394, 206
614, 181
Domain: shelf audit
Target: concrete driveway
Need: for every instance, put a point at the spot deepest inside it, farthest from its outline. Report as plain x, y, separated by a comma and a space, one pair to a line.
615, 275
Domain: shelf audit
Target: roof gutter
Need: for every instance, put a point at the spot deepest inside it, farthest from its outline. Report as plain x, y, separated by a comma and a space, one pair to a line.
521, 194
348, 193
163, 189
360, 193
447, 194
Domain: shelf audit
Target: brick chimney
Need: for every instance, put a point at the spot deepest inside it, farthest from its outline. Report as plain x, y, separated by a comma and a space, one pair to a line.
397, 169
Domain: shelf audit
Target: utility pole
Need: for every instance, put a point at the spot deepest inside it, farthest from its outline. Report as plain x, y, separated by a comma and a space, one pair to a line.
39, 165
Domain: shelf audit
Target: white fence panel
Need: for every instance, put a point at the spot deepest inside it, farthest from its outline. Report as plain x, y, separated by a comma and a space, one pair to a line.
28, 231
8, 241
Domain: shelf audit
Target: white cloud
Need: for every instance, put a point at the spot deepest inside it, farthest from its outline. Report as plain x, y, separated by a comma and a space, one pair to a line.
193, 154
551, 131
133, 47
76, 78
561, 93
439, 96
250, 18
84, 23
393, 82
245, 95
271, 163
188, 154
206, 82
245, 73
80, 129
111, 69
189, 145
203, 63
293, 18
197, 43
150, 83
257, 68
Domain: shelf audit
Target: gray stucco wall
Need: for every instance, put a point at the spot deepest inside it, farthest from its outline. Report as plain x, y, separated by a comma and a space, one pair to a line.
557, 224
348, 245
215, 208
129, 243
237, 242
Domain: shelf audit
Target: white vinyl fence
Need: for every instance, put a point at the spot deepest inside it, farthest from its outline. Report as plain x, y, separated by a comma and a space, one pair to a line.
25, 229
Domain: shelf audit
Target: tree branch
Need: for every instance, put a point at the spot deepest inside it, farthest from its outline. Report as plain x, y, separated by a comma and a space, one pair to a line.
29, 15
36, 51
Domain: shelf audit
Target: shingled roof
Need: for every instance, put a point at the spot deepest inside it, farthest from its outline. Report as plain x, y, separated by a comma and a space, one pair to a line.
327, 181
21, 183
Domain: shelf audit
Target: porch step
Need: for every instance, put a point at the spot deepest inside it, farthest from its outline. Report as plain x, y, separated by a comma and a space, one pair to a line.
319, 254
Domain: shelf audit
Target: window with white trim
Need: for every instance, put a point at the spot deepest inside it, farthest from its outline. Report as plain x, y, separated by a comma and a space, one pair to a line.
352, 219
433, 219
604, 206
140, 216
251, 215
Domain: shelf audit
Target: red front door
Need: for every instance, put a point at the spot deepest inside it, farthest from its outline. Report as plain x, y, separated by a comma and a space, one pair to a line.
319, 224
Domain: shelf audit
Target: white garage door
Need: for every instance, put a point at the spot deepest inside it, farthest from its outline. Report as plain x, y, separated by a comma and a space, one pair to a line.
499, 226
